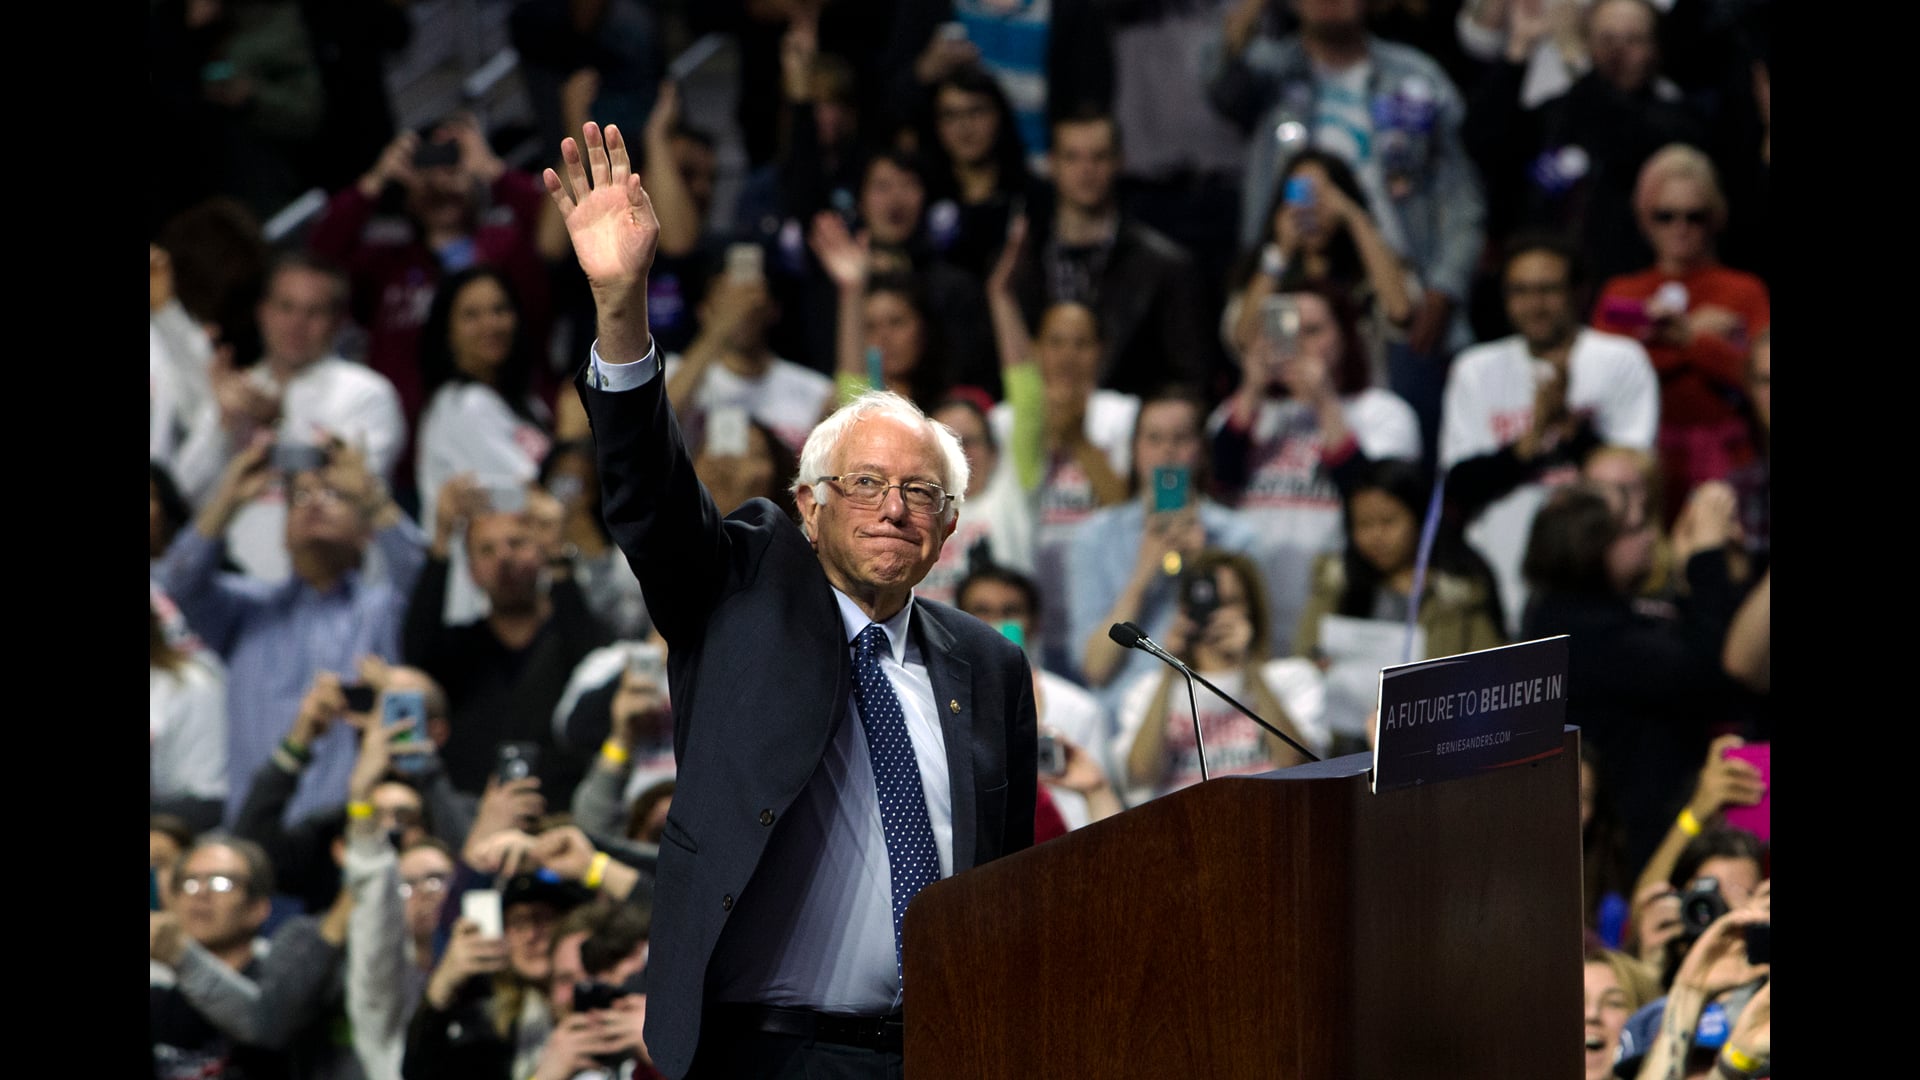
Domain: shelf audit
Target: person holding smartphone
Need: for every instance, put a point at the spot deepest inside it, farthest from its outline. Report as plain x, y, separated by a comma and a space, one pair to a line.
1125, 561
1302, 423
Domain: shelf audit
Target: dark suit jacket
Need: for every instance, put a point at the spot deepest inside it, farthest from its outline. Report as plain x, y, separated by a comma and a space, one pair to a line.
759, 674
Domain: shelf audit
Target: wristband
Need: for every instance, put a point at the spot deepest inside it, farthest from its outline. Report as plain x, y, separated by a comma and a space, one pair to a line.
298, 753
615, 753
596, 870
1732, 1063
359, 811
1272, 263
1688, 823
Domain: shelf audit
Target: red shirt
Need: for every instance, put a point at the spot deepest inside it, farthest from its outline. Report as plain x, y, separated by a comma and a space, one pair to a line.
1703, 382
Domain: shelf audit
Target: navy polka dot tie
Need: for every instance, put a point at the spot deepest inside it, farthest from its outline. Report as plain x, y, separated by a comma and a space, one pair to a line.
911, 855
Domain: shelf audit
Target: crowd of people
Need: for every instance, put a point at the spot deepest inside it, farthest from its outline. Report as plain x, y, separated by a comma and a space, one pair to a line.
1307, 335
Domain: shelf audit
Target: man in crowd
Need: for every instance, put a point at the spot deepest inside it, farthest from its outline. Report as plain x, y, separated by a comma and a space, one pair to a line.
1522, 413
274, 638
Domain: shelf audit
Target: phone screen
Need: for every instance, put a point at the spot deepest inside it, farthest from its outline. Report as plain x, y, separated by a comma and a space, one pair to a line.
482, 907
1280, 320
727, 432
646, 661
1170, 488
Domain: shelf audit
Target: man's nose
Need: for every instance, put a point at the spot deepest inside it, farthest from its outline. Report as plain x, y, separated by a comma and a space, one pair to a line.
893, 504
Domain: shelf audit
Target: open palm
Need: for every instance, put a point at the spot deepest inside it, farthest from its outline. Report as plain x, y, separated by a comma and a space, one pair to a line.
610, 220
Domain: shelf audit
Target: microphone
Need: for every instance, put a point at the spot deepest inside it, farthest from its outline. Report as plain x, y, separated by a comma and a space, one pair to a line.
1129, 636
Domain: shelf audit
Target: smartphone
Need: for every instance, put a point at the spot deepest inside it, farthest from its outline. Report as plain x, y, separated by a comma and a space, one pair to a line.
430, 154
1053, 756
506, 496
1756, 819
1759, 943
1280, 320
1171, 485
295, 458
516, 760
1623, 313
727, 432
1012, 632
745, 263
398, 705
153, 889
482, 908
1299, 192
647, 660
360, 697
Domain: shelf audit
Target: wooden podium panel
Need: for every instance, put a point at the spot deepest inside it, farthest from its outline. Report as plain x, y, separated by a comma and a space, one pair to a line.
1286, 925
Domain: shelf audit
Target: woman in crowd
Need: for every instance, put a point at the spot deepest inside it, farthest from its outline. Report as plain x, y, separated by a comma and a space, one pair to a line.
186, 731
979, 179
996, 521
1302, 422
1321, 232
569, 478
1616, 986
883, 314
1697, 318
761, 473
1652, 684
1220, 630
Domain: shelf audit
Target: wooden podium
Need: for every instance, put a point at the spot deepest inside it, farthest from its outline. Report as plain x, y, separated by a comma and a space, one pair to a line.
1287, 925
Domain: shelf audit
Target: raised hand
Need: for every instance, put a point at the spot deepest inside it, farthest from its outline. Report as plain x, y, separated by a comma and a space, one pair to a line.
610, 219
395, 163
468, 954
846, 260
1000, 281
1725, 781
664, 117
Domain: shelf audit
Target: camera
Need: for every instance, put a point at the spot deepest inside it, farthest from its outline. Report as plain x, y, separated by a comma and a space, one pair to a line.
594, 994
1700, 906
1199, 596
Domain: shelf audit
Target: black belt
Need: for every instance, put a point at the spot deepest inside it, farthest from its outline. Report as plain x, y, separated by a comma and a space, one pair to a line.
867, 1032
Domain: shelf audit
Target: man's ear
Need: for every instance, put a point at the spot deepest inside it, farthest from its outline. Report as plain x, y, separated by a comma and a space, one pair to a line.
809, 509
952, 524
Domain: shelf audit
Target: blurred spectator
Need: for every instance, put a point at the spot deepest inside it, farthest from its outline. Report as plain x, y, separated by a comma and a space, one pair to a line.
1301, 423
1546, 38
1748, 656
1221, 632
603, 947
397, 898
405, 803
1067, 439
234, 102
1373, 576
1616, 985
978, 178
1125, 561
1083, 791
1523, 411
1717, 1016
1137, 282
618, 40
1630, 479
855, 29
760, 469
882, 332
1571, 163
626, 715
303, 392
186, 732
167, 513
274, 637
995, 525
1394, 116
476, 359
730, 366
353, 41
179, 353
1753, 482
1322, 233
1605, 876
569, 477
821, 148
503, 673
431, 205
1697, 318
223, 1001
1652, 684
168, 837
217, 262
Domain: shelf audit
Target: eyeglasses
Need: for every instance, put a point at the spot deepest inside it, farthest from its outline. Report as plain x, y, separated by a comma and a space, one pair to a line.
426, 883
868, 491
214, 883
307, 495
1696, 217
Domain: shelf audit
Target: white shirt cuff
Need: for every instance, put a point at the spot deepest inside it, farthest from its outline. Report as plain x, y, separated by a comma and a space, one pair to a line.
602, 375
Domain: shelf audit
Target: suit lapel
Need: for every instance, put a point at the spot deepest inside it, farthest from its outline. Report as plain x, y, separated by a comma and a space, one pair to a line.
952, 680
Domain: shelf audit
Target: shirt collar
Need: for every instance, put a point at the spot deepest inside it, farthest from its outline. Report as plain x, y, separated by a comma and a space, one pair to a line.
856, 620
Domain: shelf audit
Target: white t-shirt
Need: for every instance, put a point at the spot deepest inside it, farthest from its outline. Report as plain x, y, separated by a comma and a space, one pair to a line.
787, 397
1065, 499
187, 731
1292, 502
1235, 744
1489, 405
1002, 515
330, 396
468, 428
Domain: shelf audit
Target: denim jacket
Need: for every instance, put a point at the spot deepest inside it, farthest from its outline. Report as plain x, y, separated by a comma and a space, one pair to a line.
1443, 216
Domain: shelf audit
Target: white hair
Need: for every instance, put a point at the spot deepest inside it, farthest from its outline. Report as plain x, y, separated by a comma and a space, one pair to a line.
826, 437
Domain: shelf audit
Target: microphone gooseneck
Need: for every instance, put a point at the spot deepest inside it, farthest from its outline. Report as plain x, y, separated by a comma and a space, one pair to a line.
1129, 635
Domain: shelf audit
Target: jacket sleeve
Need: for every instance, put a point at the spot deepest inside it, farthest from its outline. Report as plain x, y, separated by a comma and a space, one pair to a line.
289, 994
376, 954
654, 505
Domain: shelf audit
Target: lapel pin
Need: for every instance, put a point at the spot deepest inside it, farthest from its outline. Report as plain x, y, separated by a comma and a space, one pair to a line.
954, 704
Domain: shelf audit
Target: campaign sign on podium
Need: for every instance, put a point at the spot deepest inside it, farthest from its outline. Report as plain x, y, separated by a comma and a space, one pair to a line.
1460, 715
